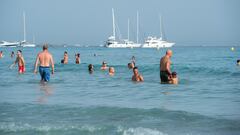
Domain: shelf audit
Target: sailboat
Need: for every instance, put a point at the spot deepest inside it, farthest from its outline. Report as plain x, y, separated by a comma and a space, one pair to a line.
154, 42
24, 43
131, 44
112, 42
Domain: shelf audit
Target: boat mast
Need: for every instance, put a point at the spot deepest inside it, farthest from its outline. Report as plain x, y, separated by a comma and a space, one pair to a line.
137, 26
24, 27
128, 29
161, 32
114, 29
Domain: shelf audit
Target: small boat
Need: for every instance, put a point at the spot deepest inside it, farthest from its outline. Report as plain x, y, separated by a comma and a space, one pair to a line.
154, 42
8, 44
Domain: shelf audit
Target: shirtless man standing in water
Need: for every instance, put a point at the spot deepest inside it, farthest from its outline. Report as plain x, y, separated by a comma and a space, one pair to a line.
45, 59
165, 69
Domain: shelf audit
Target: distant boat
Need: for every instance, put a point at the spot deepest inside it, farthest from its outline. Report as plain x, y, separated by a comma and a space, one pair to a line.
112, 42
125, 43
131, 44
8, 44
154, 42
24, 43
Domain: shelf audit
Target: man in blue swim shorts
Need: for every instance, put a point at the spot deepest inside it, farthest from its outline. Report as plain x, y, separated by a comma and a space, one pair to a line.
45, 59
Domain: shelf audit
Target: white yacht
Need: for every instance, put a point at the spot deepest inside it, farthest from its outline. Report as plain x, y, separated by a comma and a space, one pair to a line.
8, 44
24, 43
154, 42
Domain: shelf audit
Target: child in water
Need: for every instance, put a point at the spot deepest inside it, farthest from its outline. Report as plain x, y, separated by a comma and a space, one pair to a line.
174, 79
20, 61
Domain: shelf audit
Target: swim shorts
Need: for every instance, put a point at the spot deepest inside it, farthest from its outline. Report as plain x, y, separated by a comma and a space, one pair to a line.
45, 73
21, 69
164, 76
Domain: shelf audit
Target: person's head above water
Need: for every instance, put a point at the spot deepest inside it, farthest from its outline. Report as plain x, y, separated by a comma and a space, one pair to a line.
169, 53
19, 52
174, 74
45, 46
135, 70
104, 63
111, 70
131, 65
65, 52
90, 67
238, 62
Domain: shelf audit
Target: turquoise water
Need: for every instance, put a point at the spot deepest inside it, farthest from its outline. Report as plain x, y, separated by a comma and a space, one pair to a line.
207, 100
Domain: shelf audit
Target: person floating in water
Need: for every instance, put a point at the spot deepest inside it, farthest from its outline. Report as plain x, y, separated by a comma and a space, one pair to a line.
77, 56
165, 69
1, 54
111, 71
45, 58
20, 61
136, 76
90, 68
12, 54
174, 79
238, 62
65, 58
104, 66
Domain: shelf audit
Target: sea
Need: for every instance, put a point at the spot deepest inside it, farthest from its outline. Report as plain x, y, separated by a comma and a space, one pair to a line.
205, 102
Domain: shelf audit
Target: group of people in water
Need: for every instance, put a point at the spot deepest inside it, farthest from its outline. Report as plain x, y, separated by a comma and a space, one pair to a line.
44, 60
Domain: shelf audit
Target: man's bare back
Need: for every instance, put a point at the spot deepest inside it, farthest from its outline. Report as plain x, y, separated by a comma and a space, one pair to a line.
45, 58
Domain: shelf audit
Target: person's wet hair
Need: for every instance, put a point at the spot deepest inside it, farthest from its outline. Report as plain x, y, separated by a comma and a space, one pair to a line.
135, 68
238, 61
65, 52
174, 74
45, 46
90, 67
19, 51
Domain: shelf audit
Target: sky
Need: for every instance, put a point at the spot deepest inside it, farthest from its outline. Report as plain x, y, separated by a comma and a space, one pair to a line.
89, 22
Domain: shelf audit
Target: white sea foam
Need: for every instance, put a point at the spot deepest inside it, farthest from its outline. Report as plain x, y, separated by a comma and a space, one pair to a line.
16, 127
139, 131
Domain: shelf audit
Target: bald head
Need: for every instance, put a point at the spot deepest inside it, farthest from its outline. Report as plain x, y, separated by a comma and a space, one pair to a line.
169, 53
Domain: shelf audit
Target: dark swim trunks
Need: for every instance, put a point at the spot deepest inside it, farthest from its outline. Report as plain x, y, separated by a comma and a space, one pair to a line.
164, 76
45, 73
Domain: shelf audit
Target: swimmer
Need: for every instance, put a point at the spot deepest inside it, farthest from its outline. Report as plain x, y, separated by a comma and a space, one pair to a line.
136, 76
65, 58
130, 65
104, 66
20, 61
77, 58
12, 54
1, 54
90, 68
45, 58
238, 62
174, 79
111, 71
